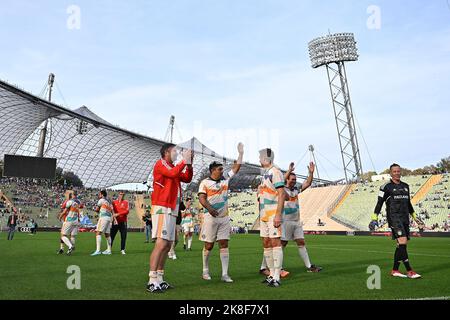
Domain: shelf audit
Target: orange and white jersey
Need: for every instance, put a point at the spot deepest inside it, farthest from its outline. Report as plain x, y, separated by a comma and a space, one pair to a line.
217, 193
106, 208
291, 210
268, 196
73, 210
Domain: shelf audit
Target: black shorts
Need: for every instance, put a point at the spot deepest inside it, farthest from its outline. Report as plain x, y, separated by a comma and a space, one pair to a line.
399, 230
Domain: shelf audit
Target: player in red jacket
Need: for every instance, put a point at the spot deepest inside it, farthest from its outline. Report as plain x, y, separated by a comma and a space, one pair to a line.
166, 198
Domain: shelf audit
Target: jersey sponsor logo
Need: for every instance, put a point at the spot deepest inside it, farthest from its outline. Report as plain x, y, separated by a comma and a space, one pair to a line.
401, 197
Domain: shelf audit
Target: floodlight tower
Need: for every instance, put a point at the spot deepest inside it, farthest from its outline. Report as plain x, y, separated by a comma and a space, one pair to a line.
331, 51
169, 131
313, 156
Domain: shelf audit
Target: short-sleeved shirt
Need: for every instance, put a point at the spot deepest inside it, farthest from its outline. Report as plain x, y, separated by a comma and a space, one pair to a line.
73, 212
291, 210
268, 197
217, 193
187, 216
106, 208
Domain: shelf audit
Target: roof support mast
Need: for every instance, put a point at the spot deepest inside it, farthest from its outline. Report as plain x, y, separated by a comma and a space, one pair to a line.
40, 153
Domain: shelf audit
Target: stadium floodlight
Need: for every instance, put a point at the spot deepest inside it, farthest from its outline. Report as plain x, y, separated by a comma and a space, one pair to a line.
331, 51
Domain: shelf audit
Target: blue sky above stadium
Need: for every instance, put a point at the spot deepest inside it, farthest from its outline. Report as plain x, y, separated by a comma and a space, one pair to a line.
239, 70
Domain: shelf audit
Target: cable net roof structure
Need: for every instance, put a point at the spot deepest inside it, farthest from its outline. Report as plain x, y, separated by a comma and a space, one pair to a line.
101, 154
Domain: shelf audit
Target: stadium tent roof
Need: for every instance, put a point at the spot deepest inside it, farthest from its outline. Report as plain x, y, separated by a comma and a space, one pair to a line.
101, 154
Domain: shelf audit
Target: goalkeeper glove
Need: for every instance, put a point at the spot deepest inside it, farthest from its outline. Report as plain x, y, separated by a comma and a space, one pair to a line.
374, 223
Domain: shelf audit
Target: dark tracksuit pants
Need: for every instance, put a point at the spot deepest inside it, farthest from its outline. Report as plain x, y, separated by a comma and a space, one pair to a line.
122, 227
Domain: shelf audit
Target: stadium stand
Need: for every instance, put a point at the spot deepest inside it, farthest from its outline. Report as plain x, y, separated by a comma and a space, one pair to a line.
434, 208
356, 209
316, 203
243, 208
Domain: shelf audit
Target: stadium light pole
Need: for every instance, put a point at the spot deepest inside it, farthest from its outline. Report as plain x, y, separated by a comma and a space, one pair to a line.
331, 51
43, 135
311, 150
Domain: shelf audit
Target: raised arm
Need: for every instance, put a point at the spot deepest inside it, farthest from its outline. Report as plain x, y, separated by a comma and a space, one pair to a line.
171, 172
289, 171
237, 164
307, 183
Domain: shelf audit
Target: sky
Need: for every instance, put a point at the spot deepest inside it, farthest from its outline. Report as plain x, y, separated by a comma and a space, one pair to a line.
235, 71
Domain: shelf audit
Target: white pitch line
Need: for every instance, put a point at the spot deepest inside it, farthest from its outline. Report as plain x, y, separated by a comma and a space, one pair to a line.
373, 251
429, 298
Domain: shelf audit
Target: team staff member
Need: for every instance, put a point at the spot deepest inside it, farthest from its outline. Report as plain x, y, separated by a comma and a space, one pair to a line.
121, 210
147, 218
12, 223
166, 198
398, 210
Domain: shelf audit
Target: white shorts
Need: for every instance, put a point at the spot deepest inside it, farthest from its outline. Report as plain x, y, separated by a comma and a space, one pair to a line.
104, 225
291, 230
69, 228
187, 228
215, 229
163, 225
267, 230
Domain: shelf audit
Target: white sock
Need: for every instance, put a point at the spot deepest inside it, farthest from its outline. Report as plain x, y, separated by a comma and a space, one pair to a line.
277, 262
206, 260
61, 245
66, 241
160, 276
98, 240
184, 239
172, 249
225, 259
263, 263
108, 243
189, 242
304, 255
268, 255
72, 239
153, 277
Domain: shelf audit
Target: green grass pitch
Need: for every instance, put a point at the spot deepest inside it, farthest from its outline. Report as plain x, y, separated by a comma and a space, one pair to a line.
31, 269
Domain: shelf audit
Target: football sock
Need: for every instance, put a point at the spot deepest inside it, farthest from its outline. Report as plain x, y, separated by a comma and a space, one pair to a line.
404, 256
153, 277
66, 241
304, 255
397, 259
277, 262
98, 240
268, 255
72, 239
224, 258
206, 260
189, 242
263, 263
160, 276
108, 242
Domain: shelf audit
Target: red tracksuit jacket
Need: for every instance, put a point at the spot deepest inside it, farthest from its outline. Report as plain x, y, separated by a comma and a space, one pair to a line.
167, 180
